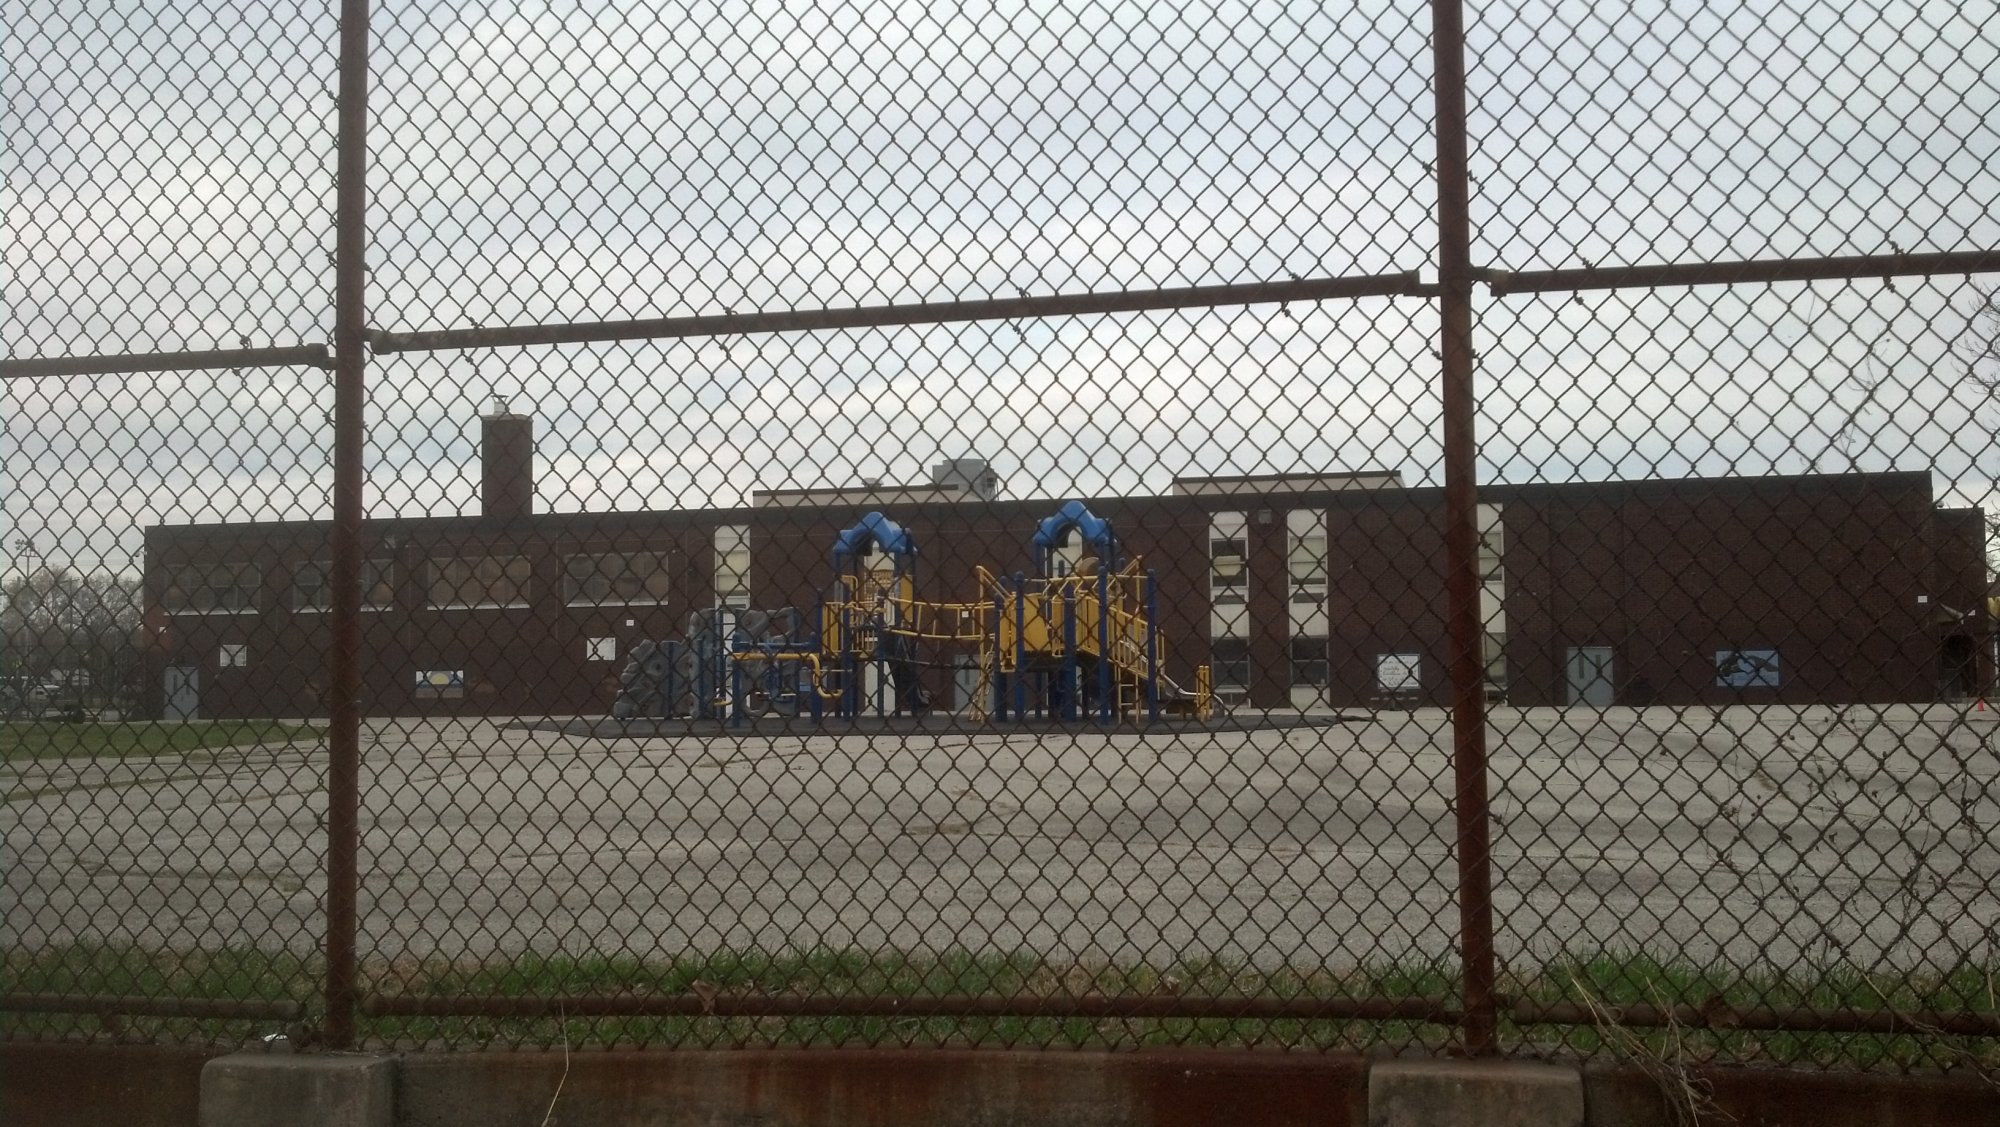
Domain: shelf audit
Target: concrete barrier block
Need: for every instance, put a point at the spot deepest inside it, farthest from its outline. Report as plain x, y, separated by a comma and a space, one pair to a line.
298, 1090
1448, 1093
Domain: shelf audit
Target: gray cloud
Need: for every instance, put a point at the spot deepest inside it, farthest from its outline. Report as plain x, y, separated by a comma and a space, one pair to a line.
167, 184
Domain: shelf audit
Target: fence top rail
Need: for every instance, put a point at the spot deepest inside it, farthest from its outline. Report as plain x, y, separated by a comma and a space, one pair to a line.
1401, 284
1647, 275
305, 355
1406, 283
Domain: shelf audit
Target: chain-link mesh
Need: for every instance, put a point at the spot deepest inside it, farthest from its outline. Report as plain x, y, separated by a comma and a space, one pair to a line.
902, 528
167, 191
1765, 796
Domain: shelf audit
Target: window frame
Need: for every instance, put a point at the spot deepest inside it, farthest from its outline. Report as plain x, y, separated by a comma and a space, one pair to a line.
572, 583
377, 575
738, 538
426, 687
178, 596
524, 592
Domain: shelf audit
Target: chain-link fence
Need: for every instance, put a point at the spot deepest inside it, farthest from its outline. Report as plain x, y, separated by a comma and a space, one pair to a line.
1080, 524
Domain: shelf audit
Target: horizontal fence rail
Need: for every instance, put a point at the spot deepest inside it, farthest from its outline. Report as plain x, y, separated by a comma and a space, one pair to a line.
968, 1005
311, 356
929, 313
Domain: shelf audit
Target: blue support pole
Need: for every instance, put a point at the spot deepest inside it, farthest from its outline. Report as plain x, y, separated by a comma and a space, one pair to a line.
667, 688
819, 647
850, 691
736, 707
717, 677
718, 659
1070, 681
850, 685
1152, 648
1020, 647
999, 686
1105, 702
701, 678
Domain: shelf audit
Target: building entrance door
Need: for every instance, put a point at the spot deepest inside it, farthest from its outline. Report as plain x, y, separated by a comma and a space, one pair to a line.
1958, 668
183, 688
1589, 676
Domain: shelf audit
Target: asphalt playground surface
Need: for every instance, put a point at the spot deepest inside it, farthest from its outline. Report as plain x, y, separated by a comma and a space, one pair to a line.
1761, 836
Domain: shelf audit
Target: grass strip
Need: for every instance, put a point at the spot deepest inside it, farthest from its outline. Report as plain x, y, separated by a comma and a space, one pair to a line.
53, 739
1603, 980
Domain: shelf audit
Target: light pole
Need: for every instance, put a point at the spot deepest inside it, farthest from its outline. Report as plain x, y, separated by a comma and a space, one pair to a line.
25, 550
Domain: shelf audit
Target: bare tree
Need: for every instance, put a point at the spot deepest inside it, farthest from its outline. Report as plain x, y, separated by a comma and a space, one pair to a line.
75, 630
1978, 347
1978, 351
1976, 365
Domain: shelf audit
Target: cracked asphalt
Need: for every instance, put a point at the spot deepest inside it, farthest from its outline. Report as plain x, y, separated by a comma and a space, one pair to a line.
1760, 836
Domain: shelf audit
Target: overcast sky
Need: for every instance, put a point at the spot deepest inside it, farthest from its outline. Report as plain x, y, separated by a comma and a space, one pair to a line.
168, 184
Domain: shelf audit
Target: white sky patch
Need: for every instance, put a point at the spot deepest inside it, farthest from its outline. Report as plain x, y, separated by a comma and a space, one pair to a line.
166, 183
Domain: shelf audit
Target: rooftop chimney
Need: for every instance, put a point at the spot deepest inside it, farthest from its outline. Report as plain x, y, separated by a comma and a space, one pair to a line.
506, 463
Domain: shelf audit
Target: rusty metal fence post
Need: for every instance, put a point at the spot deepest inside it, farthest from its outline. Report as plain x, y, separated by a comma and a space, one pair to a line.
350, 341
1468, 714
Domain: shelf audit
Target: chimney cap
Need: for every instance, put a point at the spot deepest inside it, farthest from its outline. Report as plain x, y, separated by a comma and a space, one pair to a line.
500, 409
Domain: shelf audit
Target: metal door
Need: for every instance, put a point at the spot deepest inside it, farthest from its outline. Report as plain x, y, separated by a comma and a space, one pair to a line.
1590, 676
183, 687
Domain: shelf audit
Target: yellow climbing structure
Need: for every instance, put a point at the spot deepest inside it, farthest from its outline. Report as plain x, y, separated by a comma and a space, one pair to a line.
1028, 625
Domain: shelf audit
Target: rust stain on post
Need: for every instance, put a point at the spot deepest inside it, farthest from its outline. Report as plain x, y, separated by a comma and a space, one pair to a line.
1468, 713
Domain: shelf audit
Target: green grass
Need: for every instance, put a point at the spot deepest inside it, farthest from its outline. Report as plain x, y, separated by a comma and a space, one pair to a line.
1605, 979
51, 739
1609, 979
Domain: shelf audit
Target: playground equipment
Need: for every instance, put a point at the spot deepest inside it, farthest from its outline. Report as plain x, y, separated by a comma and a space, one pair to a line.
732, 661
1068, 643
1064, 644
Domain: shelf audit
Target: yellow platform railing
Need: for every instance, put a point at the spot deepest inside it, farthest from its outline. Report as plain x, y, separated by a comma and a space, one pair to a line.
1031, 620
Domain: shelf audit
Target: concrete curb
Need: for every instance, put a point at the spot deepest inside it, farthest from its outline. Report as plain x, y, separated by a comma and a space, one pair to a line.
260, 1089
1447, 1093
89, 1085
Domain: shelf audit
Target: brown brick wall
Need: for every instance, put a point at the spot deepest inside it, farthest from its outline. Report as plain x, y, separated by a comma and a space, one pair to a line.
1826, 570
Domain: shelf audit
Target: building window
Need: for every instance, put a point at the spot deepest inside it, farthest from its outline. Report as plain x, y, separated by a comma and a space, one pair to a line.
480, 581
200, 588
1229, 580
732, 566
1232, 674
1306, 571
1492, 535
1493, 597
440, 684
1493, 652
233, 655
1228, 576
600, 649
1306, 559
1399, 673
1746, 669
312, 585
616, 578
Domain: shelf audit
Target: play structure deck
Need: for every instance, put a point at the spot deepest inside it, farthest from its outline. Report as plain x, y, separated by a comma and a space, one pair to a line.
1067, 644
